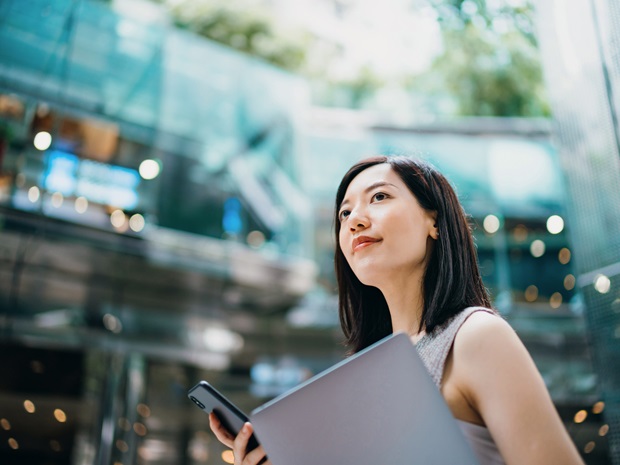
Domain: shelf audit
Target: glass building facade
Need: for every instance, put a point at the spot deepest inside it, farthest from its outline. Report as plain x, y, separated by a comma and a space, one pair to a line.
166, 217
583, 76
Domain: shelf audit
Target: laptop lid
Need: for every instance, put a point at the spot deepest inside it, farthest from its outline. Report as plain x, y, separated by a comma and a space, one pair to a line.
379, 406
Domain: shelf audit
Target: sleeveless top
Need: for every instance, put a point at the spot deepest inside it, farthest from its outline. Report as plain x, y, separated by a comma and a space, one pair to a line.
433, 349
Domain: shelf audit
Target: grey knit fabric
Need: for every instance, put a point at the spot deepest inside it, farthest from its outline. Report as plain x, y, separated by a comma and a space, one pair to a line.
435, 347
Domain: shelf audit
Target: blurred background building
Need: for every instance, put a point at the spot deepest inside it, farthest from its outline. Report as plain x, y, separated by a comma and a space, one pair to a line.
167, 173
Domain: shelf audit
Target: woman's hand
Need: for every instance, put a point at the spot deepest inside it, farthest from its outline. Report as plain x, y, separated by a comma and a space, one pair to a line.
238, 444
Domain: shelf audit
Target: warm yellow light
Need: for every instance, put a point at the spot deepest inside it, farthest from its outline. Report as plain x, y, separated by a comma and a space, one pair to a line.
491, 224
122, 445
564, 256
139, 429
228, 457
569, 282
13, 444
589, 447
603, 430
598, 407
537, 248
555, 300
29, 406
531, 293
580, 416
60, 416
144, 410
5, 424
555, 224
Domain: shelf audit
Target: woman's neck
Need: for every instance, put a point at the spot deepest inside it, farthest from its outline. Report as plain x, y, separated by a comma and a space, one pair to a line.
406, 304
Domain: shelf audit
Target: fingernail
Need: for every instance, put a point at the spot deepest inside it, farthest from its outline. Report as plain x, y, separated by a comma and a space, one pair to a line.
246, 428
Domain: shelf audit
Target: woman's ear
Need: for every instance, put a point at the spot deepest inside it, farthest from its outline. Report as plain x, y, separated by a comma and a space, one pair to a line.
434, 232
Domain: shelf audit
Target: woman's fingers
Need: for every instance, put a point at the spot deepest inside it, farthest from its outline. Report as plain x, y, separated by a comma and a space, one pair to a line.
238, 444
253, 457
241, 444
256, 456
221, 433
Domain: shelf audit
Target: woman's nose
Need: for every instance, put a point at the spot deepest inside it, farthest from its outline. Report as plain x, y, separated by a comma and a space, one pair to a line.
358, 220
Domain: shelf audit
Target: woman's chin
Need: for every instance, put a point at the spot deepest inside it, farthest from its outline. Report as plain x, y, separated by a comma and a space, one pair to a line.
370, 279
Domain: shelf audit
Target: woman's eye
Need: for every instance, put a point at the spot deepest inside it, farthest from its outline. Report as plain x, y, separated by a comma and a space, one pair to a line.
343, 214
379, 196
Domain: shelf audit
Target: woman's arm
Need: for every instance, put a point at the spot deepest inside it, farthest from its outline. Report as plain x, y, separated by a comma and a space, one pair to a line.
499, 379
238, 444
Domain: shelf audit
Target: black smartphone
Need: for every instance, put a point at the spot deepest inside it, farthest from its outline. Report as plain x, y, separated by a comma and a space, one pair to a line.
210, 400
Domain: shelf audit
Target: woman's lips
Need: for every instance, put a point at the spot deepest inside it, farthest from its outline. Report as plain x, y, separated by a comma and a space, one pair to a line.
362, 242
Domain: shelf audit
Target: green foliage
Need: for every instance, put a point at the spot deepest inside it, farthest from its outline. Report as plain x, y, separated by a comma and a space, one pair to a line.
490, 65
248, 30
351, 93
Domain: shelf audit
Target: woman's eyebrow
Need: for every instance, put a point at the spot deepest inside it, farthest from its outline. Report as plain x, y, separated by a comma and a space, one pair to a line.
374, 185
379, 184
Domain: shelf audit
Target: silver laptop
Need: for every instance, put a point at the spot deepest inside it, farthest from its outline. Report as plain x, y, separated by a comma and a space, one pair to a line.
377, 407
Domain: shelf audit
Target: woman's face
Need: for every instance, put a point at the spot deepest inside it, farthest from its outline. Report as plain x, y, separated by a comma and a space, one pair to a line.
385, 235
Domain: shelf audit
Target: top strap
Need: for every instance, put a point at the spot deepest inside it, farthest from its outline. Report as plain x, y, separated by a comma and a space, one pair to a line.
434, 348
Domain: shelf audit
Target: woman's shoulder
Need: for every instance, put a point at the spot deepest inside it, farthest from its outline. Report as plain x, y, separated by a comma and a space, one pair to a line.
484, 329
482, 319
486, 340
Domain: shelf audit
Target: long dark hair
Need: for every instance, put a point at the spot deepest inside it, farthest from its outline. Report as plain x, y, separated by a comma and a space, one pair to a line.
452, 280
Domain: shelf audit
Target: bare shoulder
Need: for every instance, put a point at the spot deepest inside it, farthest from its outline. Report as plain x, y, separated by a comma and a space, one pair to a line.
499, 380
492, 366
485, 332
484, 321
488, 354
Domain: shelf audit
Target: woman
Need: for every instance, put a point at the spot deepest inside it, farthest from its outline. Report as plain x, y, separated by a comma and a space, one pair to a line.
405, 261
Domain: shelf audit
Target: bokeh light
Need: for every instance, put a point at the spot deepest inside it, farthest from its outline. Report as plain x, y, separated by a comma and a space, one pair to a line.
491, 224
602, 284
228, 456
537, 248
81, 205
29, 406
564, 255
531, 293
33, 194
137, 222
580, 416
60, 415
149, 169
42, 140
555, 224
118, 218
555, 300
